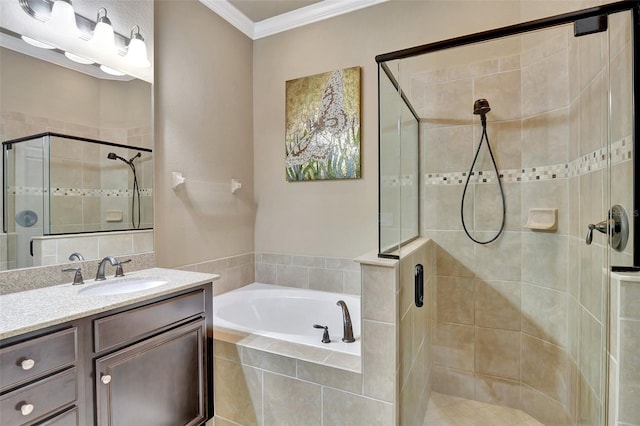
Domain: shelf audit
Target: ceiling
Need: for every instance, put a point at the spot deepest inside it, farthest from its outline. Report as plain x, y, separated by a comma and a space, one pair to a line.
262, 18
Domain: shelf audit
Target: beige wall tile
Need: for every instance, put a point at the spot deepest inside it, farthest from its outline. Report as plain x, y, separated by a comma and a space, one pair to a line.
498, 391
546, 137
453, 382
545, 85
336, 378
544, 313
488, 207
629, 407
456, 298
589, 407
326, 280
455, 253
541, 407
266, 273
379, 293
629, 356
292, 402
447, 149
497, 353
238, 392
593, 113
503, 92
341, 408
544, 367
591, 351
450, 102
292, 276
453, 346
379, 360
499, 260
497, 304
269, 361
629, 300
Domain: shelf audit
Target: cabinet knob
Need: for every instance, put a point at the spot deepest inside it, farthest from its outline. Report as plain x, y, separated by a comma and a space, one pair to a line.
27, 364
26, 409
106, 379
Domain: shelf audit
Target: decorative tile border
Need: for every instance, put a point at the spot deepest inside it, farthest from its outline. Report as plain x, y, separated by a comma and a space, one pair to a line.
597, 160
78, 192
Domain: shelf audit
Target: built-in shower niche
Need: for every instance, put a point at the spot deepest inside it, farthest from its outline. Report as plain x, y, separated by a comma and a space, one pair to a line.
58, 184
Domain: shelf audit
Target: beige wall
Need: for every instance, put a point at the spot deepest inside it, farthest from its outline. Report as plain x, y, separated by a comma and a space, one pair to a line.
203, 99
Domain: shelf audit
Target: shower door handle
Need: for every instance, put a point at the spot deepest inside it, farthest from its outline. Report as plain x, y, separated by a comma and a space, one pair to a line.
600, 226
616, 227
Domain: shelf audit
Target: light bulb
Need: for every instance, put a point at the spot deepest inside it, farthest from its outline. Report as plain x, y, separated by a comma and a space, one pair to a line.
63, 18
78, 59
103, 37
137, 50
37, 43
111, 71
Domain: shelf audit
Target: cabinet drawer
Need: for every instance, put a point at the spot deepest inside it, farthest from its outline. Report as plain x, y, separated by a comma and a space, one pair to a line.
68, 418
39, 399
37, 357
123, 327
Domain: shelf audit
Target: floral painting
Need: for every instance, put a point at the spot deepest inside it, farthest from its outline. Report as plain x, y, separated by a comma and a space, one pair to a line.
322, 137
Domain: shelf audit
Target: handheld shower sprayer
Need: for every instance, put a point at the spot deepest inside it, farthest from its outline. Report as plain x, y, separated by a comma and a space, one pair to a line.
481, 107
136, 188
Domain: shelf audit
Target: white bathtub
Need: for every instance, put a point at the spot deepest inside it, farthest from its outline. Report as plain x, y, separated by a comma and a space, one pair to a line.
288, 314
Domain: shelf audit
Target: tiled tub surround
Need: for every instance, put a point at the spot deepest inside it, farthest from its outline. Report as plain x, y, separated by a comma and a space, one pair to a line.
262, 381
338, 275
520, 322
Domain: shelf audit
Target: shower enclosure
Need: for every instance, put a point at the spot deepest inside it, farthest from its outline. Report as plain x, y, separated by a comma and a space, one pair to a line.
522, 320
57, 184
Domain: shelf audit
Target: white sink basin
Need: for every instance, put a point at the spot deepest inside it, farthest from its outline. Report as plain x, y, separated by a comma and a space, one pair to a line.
124, 285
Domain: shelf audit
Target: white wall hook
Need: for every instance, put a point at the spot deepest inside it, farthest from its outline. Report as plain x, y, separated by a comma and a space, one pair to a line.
235, 186
177, 180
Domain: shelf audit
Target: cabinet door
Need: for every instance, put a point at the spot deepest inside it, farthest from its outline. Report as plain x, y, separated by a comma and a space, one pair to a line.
160, 381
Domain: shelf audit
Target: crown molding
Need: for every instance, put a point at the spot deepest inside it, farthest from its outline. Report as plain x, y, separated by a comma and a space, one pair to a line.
296, 18
232, 15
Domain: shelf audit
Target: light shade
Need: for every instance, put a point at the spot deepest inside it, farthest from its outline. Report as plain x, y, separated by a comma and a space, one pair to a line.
111, 71
78, 59
37, 43
103, 38
63, 18
137, 50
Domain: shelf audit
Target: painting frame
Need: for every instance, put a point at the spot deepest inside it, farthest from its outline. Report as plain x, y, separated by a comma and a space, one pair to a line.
322, 126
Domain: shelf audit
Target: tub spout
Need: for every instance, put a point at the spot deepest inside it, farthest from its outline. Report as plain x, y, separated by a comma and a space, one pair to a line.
346, 322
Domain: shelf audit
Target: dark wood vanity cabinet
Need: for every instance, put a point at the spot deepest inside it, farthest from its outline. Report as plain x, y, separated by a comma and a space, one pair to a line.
144, 364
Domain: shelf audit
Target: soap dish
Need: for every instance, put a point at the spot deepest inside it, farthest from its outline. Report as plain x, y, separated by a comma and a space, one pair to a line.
542, 220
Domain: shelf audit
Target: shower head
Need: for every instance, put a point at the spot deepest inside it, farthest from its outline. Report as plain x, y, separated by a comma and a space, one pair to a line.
114, 156
481, 107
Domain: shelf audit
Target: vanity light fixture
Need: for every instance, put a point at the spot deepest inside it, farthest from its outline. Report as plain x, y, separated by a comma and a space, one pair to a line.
63, 18
37, 43
103, 36
137, 49
111, 71
78, 59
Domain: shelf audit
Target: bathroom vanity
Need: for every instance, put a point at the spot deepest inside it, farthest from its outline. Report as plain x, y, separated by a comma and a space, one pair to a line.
133, 358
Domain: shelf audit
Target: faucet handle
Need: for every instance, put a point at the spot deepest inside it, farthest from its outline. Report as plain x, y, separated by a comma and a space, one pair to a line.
325, 335
119, 271
77, 278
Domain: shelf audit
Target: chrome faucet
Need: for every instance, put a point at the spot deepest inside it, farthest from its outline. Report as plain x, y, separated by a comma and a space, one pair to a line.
347, 336
100, 273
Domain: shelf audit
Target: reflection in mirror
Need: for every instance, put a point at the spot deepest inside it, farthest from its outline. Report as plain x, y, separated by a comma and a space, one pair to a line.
78, 106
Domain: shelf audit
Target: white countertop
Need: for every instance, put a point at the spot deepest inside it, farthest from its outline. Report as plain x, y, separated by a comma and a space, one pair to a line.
34, 309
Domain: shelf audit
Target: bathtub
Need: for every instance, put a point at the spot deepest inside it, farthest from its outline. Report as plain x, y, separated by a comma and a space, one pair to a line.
288, 314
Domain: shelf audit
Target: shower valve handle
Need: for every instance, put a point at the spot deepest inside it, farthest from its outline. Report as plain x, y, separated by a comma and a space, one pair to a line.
600, 226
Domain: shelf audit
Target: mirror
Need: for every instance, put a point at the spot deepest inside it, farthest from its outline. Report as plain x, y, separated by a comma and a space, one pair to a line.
95, 124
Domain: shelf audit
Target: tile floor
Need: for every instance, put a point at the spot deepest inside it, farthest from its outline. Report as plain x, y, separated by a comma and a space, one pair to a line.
445, 410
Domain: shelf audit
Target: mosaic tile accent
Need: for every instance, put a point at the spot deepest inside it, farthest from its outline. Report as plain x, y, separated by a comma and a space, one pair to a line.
78, 192
620, 151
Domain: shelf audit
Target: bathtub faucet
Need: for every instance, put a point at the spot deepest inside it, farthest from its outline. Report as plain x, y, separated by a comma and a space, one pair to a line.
346, 322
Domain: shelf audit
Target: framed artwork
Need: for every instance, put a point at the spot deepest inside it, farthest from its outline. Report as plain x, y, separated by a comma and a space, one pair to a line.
322, 133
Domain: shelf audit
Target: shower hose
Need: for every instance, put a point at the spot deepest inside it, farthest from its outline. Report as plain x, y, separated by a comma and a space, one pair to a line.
484, 137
